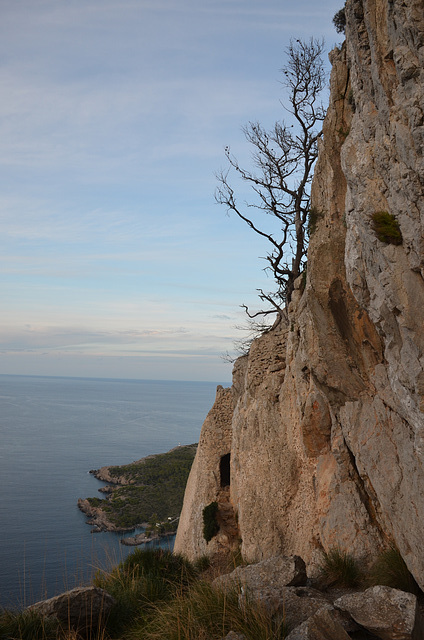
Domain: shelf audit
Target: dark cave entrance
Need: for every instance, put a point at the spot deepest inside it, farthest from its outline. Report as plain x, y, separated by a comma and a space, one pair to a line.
224, 470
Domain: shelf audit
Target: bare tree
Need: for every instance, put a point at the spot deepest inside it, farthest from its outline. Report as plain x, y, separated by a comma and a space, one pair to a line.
252, 329
283, 159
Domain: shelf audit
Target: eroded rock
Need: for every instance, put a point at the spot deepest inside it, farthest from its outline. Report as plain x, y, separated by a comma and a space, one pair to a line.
273, 573
232, 635
388, 613
323, 625
268, 582
82, 608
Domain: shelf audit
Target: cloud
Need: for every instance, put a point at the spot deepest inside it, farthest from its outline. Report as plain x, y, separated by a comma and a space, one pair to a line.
172, 340
116, 100
112, 133
113, 119
62, 337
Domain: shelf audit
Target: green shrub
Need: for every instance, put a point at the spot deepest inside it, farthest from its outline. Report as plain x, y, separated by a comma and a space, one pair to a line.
343, 132
313, 216
96, 502
210, 524
142, 581
202, 563
390, 570
160, 563
386, 227
340, 568
339, 20
156, 485
208, 613
27, 625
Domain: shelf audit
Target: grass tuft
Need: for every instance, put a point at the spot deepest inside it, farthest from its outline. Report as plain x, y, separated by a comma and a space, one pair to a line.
159, 596
386, 227
202, 563
144, 579
314, 215
206, 613
390, 570
340, 568
27, 625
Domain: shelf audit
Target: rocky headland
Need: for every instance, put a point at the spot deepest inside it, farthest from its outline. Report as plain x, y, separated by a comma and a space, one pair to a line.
146, 493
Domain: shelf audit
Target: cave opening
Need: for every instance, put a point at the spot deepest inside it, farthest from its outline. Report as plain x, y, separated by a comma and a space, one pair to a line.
224, 470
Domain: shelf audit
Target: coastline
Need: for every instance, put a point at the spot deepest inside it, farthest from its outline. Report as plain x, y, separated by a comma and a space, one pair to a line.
98, 519
141, 538
152, 486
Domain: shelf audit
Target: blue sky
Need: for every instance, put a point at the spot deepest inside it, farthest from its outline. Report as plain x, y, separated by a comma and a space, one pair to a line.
115, 260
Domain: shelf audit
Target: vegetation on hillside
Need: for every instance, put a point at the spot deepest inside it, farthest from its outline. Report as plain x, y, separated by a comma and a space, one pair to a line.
155, 487
158, 596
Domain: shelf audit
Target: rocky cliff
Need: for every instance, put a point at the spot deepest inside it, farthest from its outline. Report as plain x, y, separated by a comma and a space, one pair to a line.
321, 437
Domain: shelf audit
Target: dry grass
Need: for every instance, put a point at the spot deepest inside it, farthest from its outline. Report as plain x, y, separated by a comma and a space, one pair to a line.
206, 613
390, 570
160, 596
339, 568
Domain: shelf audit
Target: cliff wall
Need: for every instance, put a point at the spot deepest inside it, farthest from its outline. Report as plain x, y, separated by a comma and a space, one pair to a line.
325, 418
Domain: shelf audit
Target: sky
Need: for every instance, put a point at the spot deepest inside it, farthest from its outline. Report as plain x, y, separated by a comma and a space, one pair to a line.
115, 259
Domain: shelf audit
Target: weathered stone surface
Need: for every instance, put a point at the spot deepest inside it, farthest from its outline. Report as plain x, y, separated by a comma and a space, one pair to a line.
323, 625
204, 485
388, 613
268, 582
276, 572
82, 608
326, 429
383, 164
234, 636
296, 604
316, 424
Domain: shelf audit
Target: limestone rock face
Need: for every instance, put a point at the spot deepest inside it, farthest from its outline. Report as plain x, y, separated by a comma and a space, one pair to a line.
204, 482
325, 427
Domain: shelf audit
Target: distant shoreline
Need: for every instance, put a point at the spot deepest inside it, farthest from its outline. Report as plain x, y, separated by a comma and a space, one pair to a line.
96, 378
157, 479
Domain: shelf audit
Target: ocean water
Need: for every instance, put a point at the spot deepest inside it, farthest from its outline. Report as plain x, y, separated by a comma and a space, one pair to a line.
52, 432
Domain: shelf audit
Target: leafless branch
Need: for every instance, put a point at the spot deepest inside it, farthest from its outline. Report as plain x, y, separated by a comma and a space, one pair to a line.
283, 161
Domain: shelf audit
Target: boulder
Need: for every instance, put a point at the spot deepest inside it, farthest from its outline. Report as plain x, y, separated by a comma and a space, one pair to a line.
323, 625
273, 573
82, 608
296, 604
232, 635
267, 582
388, 613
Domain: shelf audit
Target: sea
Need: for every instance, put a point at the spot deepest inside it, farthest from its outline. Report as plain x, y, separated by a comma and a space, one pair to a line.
53, 431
